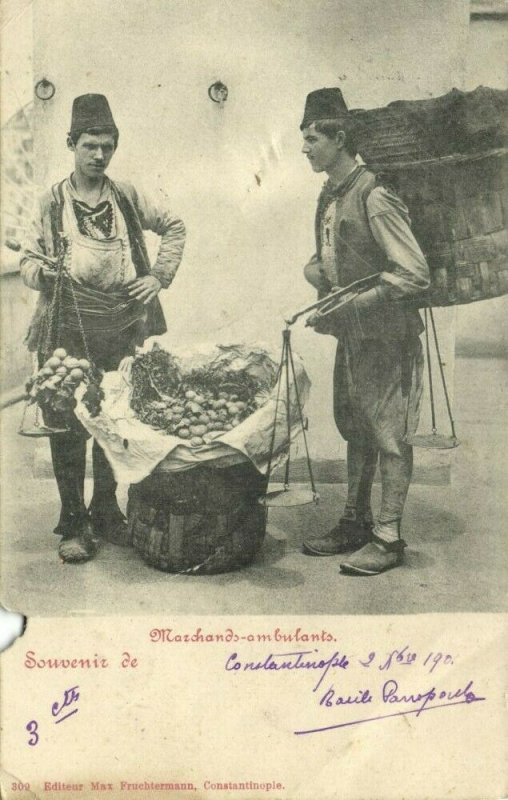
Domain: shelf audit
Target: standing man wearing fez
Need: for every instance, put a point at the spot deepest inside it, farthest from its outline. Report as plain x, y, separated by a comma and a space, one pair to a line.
98, 224
363, 228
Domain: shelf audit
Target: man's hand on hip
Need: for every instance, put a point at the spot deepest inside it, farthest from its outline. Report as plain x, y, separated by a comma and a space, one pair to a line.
48, 276
145, 289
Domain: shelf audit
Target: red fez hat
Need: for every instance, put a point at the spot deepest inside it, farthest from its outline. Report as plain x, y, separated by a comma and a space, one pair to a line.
91, 111
323, 104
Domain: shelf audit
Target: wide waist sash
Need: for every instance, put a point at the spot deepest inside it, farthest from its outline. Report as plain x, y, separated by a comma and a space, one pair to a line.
108, 312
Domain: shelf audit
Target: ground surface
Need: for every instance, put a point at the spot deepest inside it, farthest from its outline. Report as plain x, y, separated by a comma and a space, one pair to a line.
456, 559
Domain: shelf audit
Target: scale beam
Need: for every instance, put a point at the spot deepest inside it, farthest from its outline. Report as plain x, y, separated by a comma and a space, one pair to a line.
337, 298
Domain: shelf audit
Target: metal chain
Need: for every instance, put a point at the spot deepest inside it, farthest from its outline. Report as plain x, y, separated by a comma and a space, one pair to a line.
78, 317
123, 246
54, 309
53, 317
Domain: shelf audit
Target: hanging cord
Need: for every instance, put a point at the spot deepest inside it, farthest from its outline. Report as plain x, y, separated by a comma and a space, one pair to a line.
445, 389
300, 414
410, 368
78, 317
57, 321
274, 429
429, 369
37, 423
286, 336
54, 323
53, 314
49, 333
65, 272
286, 363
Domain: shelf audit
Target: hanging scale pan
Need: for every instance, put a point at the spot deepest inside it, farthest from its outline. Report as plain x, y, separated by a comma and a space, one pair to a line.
279, 495
36, 429
41, 430
436, 441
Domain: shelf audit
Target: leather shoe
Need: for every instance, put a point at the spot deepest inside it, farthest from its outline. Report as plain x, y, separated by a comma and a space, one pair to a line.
375, 557
79, 544
347, 535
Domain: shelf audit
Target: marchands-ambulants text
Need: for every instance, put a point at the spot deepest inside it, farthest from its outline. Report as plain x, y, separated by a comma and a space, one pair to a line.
170, 635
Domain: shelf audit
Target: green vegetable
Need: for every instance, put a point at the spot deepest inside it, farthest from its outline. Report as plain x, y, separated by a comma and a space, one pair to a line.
213, 398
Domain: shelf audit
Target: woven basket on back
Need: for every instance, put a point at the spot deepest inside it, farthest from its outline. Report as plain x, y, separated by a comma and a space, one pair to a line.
447, 158
201, 521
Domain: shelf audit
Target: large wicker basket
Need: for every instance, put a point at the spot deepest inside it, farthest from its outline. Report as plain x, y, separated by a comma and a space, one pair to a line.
448, 160
204, 520
459, 215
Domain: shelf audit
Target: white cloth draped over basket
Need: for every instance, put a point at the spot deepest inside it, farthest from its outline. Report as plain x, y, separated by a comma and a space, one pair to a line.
134, 449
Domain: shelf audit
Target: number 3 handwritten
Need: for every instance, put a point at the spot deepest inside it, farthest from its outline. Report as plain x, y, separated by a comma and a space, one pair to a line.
32, 729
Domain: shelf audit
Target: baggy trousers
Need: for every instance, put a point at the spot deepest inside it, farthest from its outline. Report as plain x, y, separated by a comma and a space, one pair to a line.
377, 398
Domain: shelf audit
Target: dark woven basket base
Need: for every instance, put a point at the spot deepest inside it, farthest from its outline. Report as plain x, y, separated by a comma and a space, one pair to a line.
200, 522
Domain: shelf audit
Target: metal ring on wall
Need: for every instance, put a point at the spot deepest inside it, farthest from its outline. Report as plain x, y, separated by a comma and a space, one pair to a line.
218, 92
44, 89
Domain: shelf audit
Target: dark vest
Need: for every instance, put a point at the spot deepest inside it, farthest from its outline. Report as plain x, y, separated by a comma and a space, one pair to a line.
358, 255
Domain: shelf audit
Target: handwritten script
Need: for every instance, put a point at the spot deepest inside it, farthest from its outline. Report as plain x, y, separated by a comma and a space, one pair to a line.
67, 703
412, 701
300, 659
388, 696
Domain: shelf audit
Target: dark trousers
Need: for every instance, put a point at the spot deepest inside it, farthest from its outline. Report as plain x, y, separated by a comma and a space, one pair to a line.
68, 450
68, 454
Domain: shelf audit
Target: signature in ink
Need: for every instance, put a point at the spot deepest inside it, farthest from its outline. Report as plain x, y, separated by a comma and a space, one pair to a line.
413, 702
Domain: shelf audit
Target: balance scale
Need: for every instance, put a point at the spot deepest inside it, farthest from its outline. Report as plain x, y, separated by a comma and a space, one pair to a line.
36, 428
284, 495
281, 495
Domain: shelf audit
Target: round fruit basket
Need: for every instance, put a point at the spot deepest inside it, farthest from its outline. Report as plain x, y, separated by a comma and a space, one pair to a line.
204, 520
